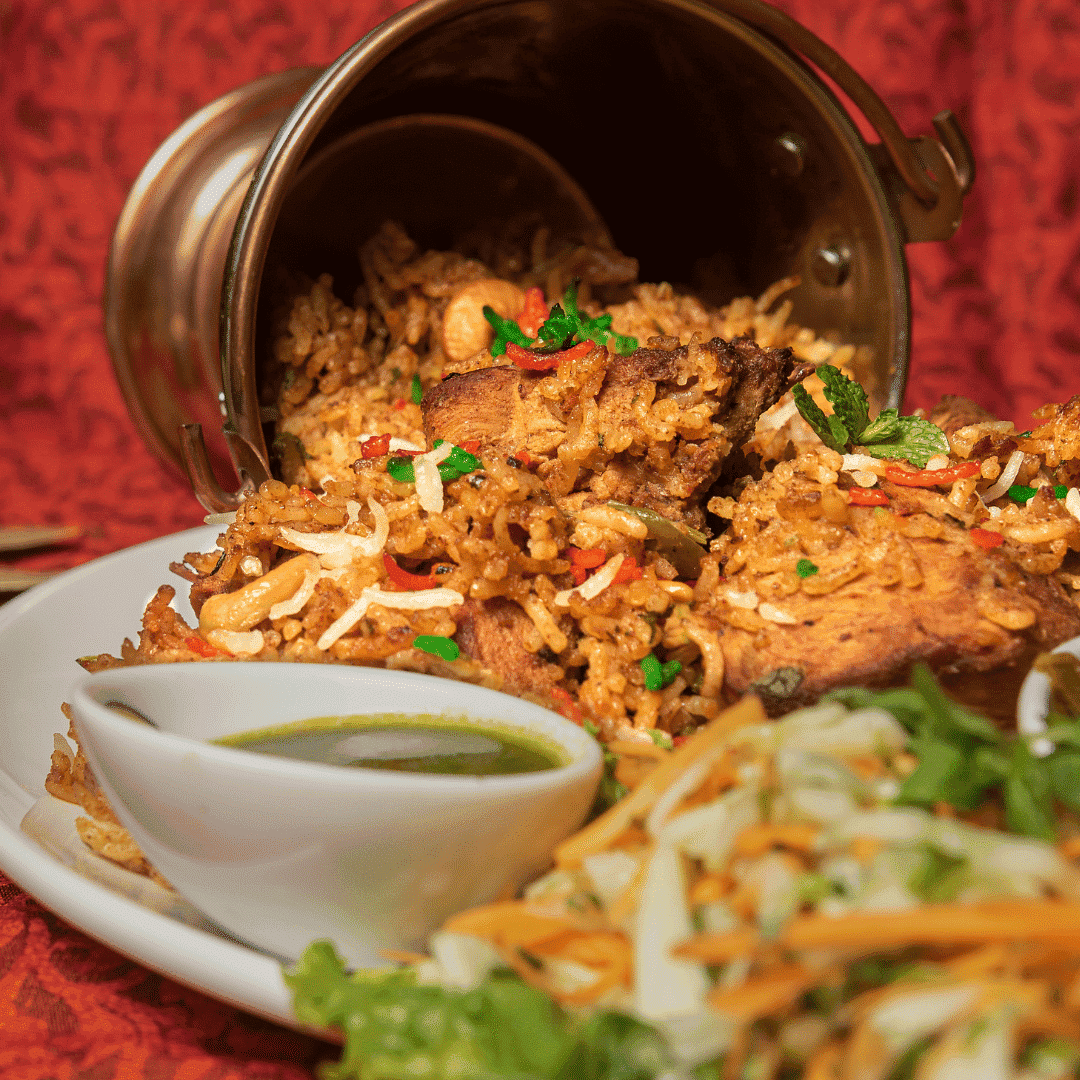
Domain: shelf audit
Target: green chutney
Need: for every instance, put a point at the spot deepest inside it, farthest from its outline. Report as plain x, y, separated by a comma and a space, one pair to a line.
448, 746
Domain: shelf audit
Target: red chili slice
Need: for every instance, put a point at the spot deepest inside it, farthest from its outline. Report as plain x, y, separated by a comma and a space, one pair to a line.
536, 312
376, 446
858, 496
568, 707
932, 477
198, 645
589, 558
628, 571
987, 539
470, 446
531, 361
523, 458
404, 579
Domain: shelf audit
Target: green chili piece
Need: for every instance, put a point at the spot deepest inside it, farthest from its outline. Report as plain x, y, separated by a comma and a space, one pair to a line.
416, 389
401, 469
463, 461
437, 646
669, 670
805, 568
1021, 493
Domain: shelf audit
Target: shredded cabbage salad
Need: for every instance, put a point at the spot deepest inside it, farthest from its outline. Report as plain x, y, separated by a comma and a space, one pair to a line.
881, 886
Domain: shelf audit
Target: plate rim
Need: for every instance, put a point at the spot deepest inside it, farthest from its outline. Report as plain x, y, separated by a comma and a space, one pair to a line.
218, 966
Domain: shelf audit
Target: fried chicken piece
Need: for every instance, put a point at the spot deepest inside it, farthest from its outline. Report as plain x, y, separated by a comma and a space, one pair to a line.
492, 632
653, 429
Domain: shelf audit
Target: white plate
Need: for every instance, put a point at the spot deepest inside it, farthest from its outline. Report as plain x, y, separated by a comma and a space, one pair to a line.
91, 610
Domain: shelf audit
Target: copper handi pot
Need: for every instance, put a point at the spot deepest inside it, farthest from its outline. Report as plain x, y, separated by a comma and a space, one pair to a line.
699, 136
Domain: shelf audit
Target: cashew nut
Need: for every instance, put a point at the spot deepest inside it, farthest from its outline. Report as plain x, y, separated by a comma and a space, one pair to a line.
248, 606
465, 331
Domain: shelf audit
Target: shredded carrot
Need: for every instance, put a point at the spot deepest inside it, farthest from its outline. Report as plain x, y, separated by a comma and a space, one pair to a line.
988, 960
634, 748
755, 840
509, 924
402, 956
1048, 1022
599, 834
1070, 849
770, 993
1052, 922
864, 848
709, 888
825, 1063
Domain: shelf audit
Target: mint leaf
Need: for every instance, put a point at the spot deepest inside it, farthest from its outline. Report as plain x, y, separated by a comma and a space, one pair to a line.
888, 435
848, 399
829, 429
917, 441
883, 428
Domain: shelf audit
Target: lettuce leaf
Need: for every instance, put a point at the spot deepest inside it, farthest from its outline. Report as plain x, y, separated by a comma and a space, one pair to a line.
504, 1029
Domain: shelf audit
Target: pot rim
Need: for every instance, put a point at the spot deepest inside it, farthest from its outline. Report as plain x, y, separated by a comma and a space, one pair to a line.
751, 20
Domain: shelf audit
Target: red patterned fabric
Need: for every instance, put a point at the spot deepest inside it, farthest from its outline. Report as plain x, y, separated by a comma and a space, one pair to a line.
89, 90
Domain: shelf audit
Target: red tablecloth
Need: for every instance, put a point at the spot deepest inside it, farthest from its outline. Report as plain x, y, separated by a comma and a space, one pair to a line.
88, 91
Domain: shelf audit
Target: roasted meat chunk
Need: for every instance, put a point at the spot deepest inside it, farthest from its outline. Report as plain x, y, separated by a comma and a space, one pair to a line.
653, 429
818, 593
492, 632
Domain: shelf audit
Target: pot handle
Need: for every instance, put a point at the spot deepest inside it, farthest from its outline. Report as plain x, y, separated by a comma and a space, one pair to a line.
932, 176
249, 466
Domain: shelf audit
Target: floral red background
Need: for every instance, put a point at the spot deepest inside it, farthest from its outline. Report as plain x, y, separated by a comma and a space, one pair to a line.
89, 88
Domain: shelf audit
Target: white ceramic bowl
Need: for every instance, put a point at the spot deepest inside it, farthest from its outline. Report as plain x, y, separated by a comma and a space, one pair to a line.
1034, 701
282, 852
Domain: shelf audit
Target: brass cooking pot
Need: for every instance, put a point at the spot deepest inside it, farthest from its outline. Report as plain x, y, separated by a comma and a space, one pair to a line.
698, 133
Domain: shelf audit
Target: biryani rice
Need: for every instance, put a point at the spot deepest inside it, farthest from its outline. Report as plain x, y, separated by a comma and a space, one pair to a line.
340, 530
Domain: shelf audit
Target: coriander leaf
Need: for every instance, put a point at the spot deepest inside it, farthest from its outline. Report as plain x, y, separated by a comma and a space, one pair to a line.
558, 330
848, 399
829, 429
506, 330
883, 428
565, 325
918, 441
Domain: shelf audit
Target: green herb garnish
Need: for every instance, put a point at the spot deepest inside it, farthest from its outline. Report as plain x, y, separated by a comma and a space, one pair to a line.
437, 645
805, 568
658, 675
563, 327
457, 464
1021, 493
416, 389
888, 435
963, 758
